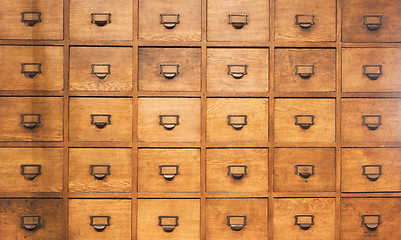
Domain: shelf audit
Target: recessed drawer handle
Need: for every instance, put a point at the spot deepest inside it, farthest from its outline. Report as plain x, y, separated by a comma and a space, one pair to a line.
373, 22
305, 71
101, 70
169, 171
237, 171
238, 20
237, 71
304, 221
30, 172
372, 172
372, 121
30, 223
100, 120
30, 120
101, 19
169, 121
31, 69
371, 222
99, 223
305, 171
169, 20
372, 71
31, 18
305, 121
237, 121
99, 172
168, 223
236, 222
304, 21
169, 71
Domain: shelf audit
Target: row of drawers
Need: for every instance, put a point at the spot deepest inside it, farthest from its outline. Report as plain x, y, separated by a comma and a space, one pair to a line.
180, 20
179, 69
296, 218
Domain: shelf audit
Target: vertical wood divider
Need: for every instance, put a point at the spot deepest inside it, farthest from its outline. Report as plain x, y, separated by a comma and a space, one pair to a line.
203, 122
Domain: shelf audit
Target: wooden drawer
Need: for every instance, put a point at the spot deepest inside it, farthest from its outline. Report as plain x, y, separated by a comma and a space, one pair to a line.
168, 20
31, 119
31, 169
356, 225
237, 170
304, 218
31, 219
96, 20
169, 69
101, 69
299, 20
177, 219
168, 170
94, 219
32, 19
236, 219
371, 120
237, 120
100, 170
304, 120
371, 170
169, 119
100, 119
305, 70
371, 69
296, 171
371, 21
237, 70
242, 20
31, 68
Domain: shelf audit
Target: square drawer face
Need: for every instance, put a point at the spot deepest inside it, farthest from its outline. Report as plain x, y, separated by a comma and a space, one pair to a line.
31, 119
371, 69
305, 70
236, 219
177, 219
237, 70
299, 20
31, 68
237, 119
370, 170
101, 68
371, 21
95, 219
168, 170
31, 218
304, 218
100, 119
169, 69
31, 169
95, 20
100, 170
371, 120
169, 119
296, 171
237, 170
242, 20
304, 120
370, 218
32, 19
170, 20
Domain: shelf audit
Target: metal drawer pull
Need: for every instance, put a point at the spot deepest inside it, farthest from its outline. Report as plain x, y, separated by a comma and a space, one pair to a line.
371, 222
304, 221
101, 70
237, 71
373, 22
169, 171
169, 20
372, 121
372, 172
100, 120
236, 222
30, 172
168, 223
238, 20
305, 121
101, 19
100, 171
305, 71
31, 69
169, 71
31, 18
30, 223
372, 71
30, 120
305, 171
304, 21
237, 171
169, 121
237, 121
99, 223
